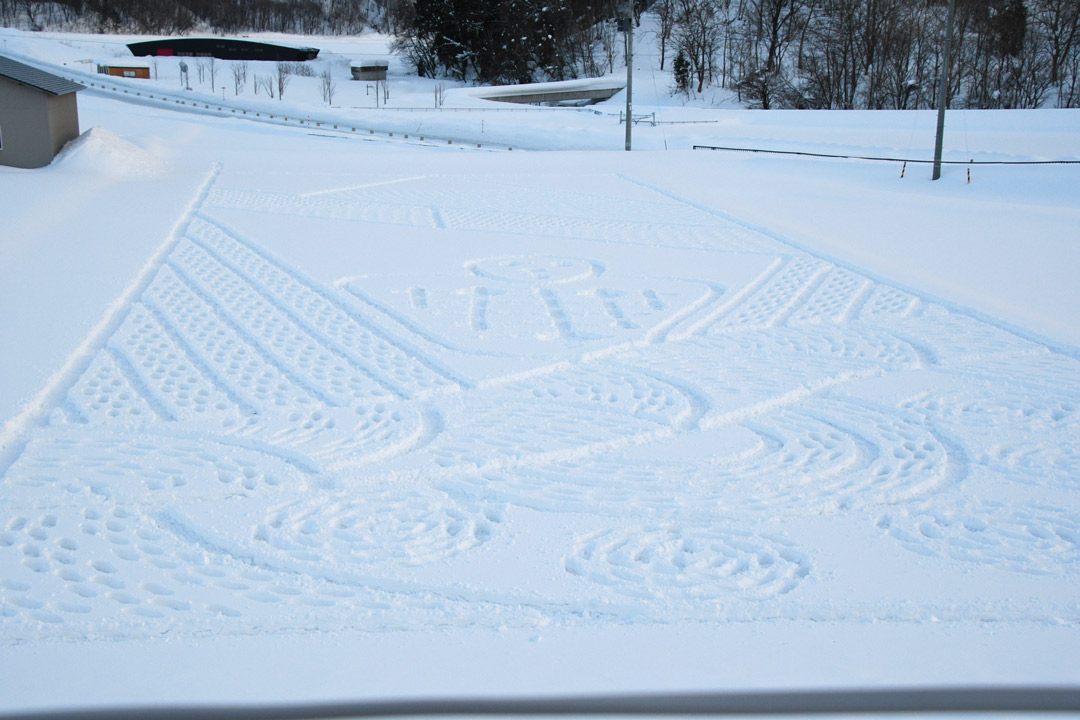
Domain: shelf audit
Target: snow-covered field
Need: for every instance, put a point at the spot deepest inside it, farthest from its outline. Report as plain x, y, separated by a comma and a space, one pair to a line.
295, 413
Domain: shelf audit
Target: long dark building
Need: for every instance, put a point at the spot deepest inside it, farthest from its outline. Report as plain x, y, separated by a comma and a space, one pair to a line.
222, 49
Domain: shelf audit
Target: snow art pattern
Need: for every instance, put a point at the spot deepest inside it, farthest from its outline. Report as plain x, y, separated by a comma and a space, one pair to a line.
253, 448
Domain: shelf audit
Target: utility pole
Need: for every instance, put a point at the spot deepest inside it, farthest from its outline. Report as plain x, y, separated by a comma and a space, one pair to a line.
629, 72
943, 91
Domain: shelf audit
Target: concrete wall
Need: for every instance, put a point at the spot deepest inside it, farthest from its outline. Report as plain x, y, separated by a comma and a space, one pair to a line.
34, 125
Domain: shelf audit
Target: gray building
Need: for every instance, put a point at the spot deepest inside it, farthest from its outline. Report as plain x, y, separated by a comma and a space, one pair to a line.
38, 114
371, 70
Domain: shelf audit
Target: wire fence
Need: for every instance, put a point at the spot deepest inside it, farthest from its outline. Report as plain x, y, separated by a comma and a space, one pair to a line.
914, 161
391, 108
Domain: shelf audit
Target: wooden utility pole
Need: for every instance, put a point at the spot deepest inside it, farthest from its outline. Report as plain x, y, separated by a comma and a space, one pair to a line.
943, 91
629, 72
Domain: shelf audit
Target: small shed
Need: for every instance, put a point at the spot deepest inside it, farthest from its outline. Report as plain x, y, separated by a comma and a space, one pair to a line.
38, 114
121, 67
370, 70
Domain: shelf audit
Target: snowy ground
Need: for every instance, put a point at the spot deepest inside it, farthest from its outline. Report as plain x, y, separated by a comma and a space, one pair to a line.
297, 414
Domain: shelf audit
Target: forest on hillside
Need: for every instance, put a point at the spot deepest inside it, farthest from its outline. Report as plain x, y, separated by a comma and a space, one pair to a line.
879, 54
171, 17
839, 54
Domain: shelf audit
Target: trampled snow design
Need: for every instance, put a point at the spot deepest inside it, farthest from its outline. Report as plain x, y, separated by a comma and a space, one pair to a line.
251, 448
698, 563
1034, 539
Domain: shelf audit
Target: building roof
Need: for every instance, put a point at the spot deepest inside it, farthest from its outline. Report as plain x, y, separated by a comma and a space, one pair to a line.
32, 77
223, 49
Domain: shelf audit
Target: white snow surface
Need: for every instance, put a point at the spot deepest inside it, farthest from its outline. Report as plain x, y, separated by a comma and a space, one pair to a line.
296, 412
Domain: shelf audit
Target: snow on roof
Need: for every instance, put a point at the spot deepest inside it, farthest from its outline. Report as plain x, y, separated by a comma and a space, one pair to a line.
39, 79
547, 87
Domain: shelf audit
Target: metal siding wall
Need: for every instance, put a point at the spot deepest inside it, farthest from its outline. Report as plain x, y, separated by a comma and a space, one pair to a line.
25, 126
63, 121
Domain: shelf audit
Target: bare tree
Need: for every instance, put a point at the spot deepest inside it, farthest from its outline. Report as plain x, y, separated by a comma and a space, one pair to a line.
264, 81
1059, 22
328, 86
30, 8
878, 35
609, 42
1029, 77
283, 77
239, 73
1069, 85
770, 28
398, 15
345, 17
420, 51
1009, 62
698, 34
665, 15
900, 67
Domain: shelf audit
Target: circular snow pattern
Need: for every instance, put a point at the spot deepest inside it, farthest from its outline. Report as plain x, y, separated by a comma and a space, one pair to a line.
536, 269
403, 528
1023, 429
692, 563
1030, 539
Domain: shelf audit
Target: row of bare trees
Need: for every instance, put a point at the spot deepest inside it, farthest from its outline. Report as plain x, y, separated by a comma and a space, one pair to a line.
840, 54
876, 53
773, 53
180, 16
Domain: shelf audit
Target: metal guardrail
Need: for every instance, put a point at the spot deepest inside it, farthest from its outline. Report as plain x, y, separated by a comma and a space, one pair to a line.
813, 702
211, 105
283, 117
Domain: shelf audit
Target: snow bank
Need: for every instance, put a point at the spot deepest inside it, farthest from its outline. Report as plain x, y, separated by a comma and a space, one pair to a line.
99, 151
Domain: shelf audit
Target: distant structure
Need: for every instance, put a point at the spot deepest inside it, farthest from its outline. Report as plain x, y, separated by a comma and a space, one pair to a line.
222, 49
588, 91
124, 68
374, 70
38, 114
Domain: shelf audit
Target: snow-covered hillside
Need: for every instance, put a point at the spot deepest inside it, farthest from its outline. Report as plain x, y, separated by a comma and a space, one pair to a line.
298, 414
